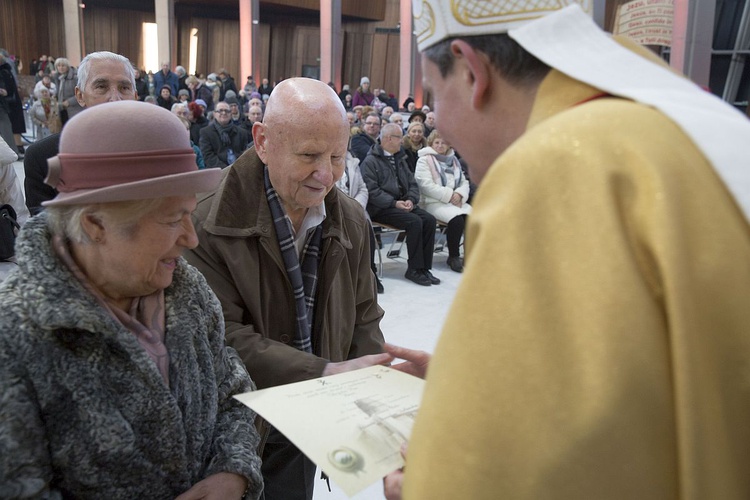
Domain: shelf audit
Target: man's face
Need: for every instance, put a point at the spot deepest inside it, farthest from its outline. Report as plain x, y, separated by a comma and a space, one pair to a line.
108, 81
165, 68
222, 113
398, 120
430, 121
372, 126
391, 142
265, 81
305, 159
255, 114
387, 112
234, 108
448, 115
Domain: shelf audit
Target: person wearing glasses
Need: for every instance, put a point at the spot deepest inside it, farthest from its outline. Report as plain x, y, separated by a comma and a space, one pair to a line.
362, 142
393, 198
222, 142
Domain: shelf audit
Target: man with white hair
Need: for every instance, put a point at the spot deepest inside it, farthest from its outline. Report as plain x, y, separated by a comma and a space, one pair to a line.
288, 256
102, 77
599, 342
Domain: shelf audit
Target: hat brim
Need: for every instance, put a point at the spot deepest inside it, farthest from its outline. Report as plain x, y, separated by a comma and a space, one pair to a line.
183, 184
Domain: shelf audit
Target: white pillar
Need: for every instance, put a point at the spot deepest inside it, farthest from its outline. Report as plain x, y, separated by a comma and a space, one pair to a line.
330, 42
407, 57
249, 40
72, 20
164, 13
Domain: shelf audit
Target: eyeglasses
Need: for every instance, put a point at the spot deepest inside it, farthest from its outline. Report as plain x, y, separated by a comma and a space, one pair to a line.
222, 111
395, 137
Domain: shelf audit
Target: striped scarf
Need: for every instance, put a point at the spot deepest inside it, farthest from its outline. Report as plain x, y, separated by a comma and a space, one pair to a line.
304, 278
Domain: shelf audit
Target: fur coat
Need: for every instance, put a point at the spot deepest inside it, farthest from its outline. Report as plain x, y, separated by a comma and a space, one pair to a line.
84, 412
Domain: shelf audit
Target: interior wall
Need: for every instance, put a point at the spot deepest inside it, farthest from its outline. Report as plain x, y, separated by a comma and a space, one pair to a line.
31, 28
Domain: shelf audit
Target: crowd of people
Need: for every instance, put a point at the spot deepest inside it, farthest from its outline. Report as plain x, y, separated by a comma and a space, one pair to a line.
599, 343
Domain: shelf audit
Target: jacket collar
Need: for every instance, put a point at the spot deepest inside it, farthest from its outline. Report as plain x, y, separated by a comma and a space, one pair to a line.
239, 207
556, 93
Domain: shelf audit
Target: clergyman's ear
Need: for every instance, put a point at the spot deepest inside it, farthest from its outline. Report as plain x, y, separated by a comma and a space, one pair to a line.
476, 67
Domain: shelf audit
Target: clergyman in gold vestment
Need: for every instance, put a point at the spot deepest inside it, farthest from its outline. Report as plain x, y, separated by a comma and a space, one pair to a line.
599, 343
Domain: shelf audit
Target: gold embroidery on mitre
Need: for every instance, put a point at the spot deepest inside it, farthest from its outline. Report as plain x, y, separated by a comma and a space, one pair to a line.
424, 25
482, 12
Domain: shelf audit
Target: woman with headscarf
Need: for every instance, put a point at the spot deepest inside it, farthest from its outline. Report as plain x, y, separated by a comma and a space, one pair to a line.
444, 190
115, 376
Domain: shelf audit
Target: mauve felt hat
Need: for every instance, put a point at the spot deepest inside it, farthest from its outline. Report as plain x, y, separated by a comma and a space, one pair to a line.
125, 150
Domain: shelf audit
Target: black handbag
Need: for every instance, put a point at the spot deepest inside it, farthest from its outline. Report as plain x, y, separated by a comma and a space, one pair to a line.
8, 230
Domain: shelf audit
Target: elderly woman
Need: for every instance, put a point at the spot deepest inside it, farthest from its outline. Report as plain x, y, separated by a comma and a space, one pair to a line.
444, 190
66, 89
114, 375
412, 142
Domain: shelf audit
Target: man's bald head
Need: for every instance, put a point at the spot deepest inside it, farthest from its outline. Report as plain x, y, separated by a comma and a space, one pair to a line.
306, 99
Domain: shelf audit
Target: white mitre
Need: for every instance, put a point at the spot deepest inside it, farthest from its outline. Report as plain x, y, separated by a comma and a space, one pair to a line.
562, 36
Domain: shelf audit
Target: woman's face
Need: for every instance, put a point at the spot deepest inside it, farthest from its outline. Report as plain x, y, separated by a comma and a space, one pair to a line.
165, 93
440, 146
138, 264
416, 134
62, 68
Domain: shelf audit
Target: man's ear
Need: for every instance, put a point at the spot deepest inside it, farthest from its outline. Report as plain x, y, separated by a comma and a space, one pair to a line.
79, 97
477, 71
259, 140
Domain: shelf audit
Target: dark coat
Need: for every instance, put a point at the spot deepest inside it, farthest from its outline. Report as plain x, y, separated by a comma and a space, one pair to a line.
84, 411
12, 102
385, 185
214, 152
170, 79
240, 256
361, 144
35, 171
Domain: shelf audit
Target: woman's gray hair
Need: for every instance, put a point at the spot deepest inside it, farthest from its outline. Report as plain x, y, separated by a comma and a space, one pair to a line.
83, 68
67, 221
62, 60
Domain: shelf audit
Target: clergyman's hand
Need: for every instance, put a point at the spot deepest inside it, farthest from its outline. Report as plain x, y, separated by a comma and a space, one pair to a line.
357, 363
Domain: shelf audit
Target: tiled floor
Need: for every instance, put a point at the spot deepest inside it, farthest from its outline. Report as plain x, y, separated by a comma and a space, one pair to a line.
413, 317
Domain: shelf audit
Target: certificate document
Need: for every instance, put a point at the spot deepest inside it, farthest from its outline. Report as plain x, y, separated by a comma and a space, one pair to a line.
351, 425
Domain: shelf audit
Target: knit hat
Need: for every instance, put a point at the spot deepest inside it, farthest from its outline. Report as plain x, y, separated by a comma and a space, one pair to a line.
364, 80
183, 92
122, 151
230, 93
201, 102
417, 113
255, 95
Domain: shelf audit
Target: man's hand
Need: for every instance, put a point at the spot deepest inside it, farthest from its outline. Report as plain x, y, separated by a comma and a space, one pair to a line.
219, 486
393, 482
416, 361
404, 205
456, 199
357, 363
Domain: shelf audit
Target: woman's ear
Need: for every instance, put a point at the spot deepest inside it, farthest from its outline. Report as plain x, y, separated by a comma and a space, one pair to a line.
94, 227
476, 71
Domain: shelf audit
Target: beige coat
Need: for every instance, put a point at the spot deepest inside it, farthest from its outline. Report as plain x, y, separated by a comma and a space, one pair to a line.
240, 257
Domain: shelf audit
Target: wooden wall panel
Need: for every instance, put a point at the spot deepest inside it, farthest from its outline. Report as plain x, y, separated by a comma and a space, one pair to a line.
115, 30
31, 28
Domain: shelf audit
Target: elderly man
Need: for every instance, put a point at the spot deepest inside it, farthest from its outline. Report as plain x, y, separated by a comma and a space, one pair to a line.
102, 77
599, 343
362, 142
393, 198
222, 142
288, 256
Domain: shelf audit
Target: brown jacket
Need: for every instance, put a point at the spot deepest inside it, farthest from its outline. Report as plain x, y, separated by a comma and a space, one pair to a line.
240, 257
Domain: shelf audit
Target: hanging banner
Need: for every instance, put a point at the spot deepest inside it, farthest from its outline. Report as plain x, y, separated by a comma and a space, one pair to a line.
647, 22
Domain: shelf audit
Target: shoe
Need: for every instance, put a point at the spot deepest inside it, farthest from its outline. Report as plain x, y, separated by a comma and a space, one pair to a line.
379, 285
456, 264
429, 276
417, 277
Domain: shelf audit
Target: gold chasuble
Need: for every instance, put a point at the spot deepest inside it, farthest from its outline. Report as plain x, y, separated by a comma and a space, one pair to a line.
599, 344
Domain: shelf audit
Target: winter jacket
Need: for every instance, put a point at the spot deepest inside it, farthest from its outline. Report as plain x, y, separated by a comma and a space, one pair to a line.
386, 185
85, 413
